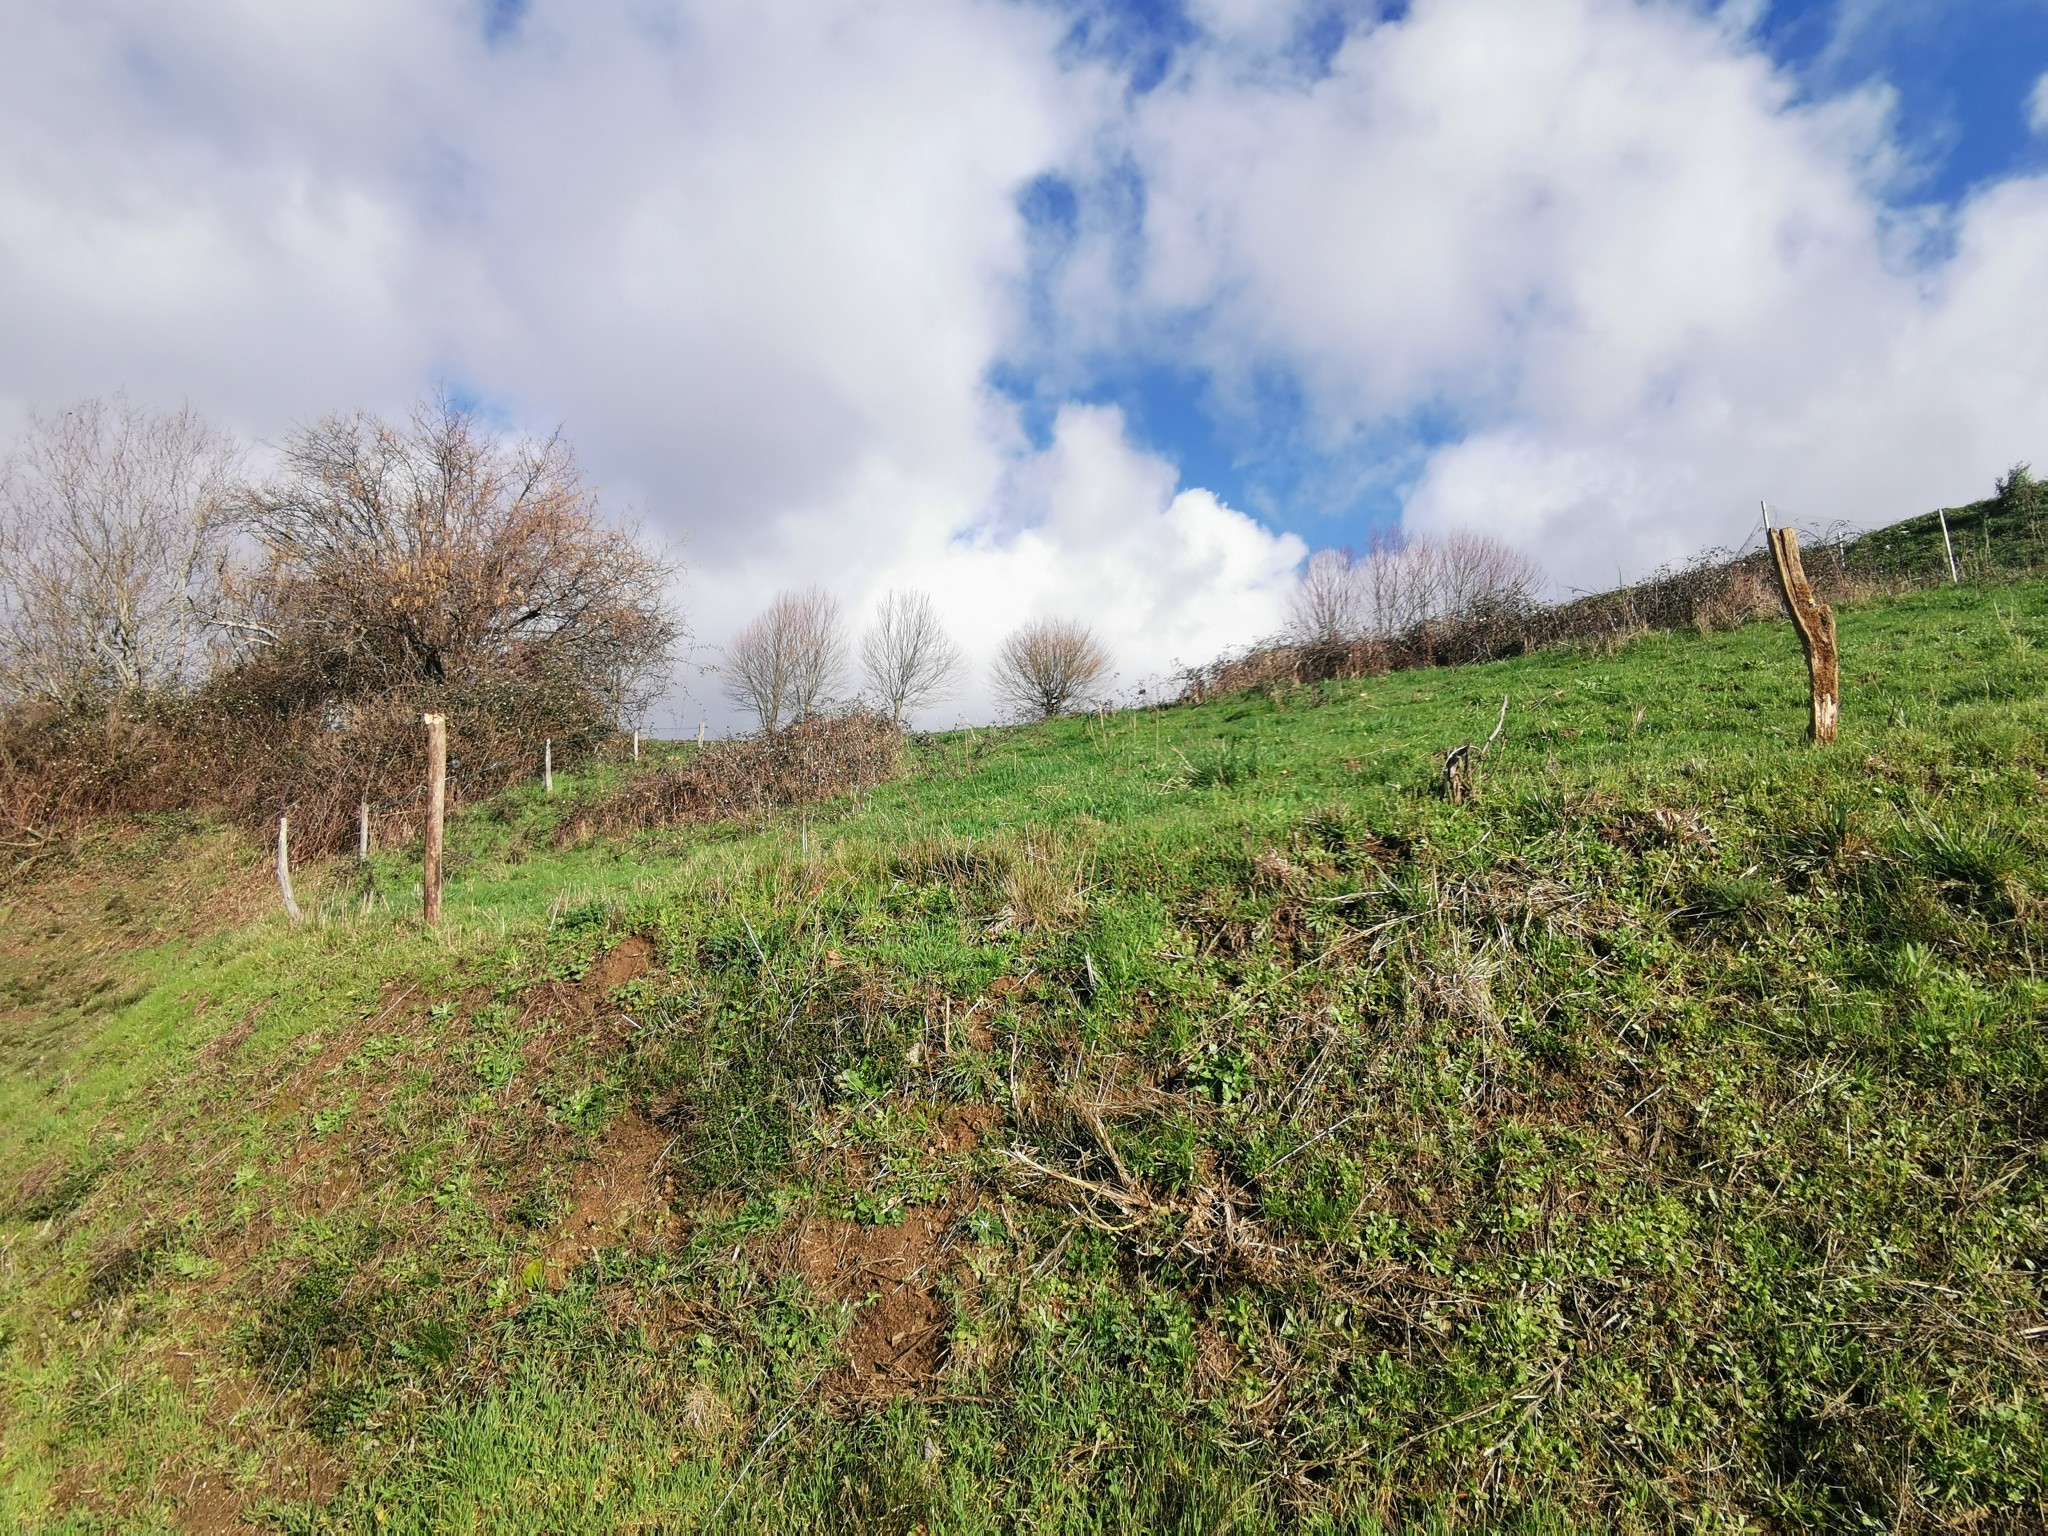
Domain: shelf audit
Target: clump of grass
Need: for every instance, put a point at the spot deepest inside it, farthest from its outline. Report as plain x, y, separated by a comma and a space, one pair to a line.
1983, 862
1741, 902
1235, 764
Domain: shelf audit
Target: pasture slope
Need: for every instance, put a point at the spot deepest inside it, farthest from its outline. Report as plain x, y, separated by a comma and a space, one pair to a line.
1179, 1121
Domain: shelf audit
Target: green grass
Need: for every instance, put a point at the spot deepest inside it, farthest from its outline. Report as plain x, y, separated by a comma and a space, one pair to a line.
1655, 1142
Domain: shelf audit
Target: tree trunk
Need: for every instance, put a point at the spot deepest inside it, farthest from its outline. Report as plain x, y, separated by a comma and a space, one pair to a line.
1815, 621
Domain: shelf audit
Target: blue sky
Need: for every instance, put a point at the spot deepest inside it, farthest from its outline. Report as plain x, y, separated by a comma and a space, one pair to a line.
1961, 72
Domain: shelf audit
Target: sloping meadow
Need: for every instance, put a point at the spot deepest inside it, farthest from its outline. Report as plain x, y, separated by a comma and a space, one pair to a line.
1182, 1121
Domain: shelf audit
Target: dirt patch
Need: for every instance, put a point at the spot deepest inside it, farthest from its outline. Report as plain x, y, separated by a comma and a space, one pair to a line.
211, 1507
897, 1342
963, 1129
615, 1197
583, 1011
626, 961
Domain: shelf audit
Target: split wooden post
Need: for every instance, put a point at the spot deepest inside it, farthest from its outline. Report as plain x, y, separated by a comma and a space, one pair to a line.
284, 866
363, 829
547, 765
437, 804
1815, 621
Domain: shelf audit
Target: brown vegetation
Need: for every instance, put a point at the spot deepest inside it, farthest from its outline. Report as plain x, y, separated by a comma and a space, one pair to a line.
803, 764
1716, 591
430, 566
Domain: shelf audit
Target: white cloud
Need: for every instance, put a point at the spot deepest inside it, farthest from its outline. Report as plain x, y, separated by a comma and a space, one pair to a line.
1607, 239
759, 260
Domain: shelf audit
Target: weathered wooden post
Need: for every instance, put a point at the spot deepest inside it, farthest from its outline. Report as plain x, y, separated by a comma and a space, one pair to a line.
636, 746
1815, 621
547, 765
437, 803
363, 829
284, 866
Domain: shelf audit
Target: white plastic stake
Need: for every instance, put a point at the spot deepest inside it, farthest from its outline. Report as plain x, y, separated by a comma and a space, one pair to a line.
284, 866
1953, 578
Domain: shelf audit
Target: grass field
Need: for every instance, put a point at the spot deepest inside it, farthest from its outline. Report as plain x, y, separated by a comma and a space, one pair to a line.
1183, 1121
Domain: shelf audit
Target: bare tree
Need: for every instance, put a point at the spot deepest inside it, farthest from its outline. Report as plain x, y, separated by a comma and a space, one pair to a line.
909, 659
1329, 604
1480, 577
784, 665
1402, 583
1047, 666
437, 552
111, 547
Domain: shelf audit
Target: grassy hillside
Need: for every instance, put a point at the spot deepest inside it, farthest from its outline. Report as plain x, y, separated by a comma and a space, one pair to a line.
1181, 1121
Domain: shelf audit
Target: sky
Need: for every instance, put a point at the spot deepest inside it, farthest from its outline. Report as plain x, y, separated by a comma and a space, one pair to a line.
1107, 309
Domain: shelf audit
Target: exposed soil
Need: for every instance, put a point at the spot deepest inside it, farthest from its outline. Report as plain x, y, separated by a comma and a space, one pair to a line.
588, 1002
963, 1129
615, 1198
624, 962
897, 1342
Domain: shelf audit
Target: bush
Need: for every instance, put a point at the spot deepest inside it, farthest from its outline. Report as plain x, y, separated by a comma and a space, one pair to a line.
801, 764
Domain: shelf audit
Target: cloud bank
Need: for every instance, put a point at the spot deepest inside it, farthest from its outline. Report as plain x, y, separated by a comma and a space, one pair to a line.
1590, 274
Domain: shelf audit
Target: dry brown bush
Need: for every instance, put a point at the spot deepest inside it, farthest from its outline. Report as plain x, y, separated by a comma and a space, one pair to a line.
223, 752
427, 567
1718, 590
806, 763
435, 554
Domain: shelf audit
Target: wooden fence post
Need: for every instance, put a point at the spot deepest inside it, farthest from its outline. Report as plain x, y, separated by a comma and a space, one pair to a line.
636, 746
437, 803
1815, 621
363, 829
547, 765
284, 866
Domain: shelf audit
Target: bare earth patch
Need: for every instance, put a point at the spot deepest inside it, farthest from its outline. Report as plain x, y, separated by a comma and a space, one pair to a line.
615, 1198
897, 1342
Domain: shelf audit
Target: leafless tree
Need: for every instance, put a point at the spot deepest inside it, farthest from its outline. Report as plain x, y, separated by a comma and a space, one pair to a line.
786, 663
439, 552
909, 659
1047, 666
111, 546
1401, 583
1480, 577
1329, 604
